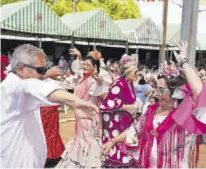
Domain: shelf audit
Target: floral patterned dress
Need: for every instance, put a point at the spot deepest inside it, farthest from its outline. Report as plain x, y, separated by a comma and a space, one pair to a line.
50, 121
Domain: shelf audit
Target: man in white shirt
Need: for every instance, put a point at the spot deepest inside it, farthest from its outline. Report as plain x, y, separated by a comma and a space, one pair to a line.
22, 93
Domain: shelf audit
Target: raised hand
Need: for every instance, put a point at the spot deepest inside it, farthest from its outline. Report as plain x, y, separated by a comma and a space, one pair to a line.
182, 51
76, 52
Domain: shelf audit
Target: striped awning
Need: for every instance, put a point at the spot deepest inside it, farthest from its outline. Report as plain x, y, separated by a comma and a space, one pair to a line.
141, 31
31, 18
174, 35
94, 25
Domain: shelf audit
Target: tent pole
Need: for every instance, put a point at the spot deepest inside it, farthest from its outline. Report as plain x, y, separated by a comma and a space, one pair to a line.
162, 59
88, 47
127, 48
72, 40
189, 27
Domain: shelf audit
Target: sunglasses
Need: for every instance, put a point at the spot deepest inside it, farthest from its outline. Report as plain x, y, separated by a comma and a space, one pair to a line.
162, 90
40, 70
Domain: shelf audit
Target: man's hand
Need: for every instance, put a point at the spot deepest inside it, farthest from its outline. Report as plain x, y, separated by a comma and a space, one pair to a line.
53, 72
91, 111
83, 109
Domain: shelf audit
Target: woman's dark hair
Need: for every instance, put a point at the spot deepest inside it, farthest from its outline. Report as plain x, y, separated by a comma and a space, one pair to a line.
142, 81
141, 67
94, 62
173, 83
155, 99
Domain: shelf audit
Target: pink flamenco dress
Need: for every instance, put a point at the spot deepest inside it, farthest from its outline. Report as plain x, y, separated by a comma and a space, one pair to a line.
84, 149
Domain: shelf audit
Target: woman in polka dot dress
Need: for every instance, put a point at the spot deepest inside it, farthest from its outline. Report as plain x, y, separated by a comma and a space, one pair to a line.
117, 111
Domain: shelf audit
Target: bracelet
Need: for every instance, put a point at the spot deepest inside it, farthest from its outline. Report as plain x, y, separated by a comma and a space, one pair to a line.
182, 62
186, 67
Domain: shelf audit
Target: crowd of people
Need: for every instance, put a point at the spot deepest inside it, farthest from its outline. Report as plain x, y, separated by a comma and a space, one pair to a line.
126, 115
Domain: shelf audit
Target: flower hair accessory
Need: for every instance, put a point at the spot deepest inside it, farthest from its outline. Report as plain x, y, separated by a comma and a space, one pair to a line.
95, 55
170, 70
126, 59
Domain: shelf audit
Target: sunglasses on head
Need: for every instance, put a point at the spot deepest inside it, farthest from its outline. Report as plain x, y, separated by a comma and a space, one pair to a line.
40, 70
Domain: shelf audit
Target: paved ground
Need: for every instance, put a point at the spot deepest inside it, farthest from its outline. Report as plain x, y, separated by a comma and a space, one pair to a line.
67, 131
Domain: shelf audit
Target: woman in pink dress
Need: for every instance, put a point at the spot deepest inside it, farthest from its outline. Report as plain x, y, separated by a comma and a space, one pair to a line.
167, 135
84, 149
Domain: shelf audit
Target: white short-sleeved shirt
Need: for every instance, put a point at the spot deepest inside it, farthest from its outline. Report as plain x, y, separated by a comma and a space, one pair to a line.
23, 142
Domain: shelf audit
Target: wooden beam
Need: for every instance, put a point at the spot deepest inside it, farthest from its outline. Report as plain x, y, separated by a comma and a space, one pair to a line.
164, 31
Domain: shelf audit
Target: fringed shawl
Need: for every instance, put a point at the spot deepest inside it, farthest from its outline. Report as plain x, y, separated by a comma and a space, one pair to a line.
170, 134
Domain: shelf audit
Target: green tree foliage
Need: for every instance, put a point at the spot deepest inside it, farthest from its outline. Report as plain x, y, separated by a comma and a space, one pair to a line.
116, 9
113, 8
129, 10
4, 2
61, 7
85, 6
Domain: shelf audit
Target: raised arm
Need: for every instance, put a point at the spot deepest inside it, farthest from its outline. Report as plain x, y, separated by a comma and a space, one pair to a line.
191, 75
76, 52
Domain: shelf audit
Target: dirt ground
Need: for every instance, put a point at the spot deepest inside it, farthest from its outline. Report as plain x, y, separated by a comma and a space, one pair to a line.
67, 131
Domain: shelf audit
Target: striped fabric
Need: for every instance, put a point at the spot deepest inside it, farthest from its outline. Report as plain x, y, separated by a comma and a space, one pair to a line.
93, 25
31, 17
141, 31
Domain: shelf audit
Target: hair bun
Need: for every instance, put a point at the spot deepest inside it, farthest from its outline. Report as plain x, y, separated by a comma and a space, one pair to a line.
95, 55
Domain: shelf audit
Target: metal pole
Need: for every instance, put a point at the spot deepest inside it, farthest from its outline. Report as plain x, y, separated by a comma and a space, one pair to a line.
170, 54
164, 31
88, 46
189, 27
72, 40
137, 55
127, 48
40, 43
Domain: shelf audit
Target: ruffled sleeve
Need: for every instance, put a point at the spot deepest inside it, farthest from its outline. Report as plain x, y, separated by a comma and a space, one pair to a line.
95, 89
190, 114
200, 106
